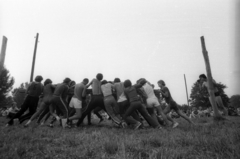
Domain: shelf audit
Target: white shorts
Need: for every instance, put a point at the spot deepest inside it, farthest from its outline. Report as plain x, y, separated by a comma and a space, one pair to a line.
75, 103
152, 102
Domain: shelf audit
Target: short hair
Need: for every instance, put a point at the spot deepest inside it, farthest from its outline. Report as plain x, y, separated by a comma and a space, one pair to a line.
85, 80
139, 80
47, 81
116, 80
110, 82
161, 81
99, 76
72, 83
66, 80
38, 78
203, 76
142, 81
104, 82
127, 83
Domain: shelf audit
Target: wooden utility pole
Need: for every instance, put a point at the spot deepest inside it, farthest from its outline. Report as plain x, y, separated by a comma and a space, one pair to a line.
209, 80
34, 57
186, 89
3, 52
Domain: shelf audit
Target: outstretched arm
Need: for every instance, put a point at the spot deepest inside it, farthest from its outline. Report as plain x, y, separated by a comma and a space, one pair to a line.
84, 93
89, 84
165, 92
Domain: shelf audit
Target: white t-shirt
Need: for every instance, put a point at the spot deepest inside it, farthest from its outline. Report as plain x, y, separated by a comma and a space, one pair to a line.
149, 90
107, 89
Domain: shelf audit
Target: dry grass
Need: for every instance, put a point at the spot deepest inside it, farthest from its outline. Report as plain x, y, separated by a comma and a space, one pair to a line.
205, 140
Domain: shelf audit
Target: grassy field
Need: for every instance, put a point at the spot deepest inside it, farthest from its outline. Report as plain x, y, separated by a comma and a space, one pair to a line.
204, 141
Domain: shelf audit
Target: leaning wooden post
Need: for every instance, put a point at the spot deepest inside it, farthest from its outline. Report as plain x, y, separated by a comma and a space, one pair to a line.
3, 52
186, 89
209, 79
34, 57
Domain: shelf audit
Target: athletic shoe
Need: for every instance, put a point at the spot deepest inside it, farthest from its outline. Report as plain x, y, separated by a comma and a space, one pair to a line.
26, 125
175, 125
68, 126
137, 125
100, 120
159, 127
7, 125
124, 124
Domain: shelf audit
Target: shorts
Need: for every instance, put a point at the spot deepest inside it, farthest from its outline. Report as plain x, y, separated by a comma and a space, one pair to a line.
173, 105
75, 103
152, 102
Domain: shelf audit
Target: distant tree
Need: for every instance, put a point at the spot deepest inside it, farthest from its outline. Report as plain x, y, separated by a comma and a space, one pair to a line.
199, 97
6, 84
235, 101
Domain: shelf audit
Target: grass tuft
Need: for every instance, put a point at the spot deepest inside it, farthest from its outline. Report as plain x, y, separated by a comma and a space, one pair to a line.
111, 147
204, 141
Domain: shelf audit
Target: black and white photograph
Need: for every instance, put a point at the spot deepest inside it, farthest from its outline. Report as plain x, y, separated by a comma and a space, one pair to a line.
118, 79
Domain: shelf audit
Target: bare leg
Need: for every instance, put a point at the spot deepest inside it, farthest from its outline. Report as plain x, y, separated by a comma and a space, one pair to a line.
77, 115
166, 111
160, 112
179, 112
219, 102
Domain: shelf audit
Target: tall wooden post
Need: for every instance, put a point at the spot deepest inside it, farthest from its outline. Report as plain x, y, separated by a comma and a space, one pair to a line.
34, 57
209, 79
186, 89
3, 52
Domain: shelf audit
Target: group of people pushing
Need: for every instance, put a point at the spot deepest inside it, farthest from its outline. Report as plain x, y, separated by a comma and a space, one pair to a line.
124, 102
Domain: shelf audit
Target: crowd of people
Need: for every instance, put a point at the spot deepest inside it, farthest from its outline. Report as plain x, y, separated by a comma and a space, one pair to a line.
126, 104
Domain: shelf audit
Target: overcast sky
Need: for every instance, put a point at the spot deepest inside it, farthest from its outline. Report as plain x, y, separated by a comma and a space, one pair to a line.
126, 39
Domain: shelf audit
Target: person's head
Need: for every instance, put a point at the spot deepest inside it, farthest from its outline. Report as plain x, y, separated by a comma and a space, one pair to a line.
116, 80
202, 77
99, 76
47, 81
38, 78
152, 85
72, 83
110, 82
142, 81
104, 82
137, 82
85, 81
127, 83
161, 83
67, 81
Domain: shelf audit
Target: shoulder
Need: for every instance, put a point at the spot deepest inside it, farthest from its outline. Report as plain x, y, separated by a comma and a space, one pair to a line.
79, 85
165, 88
65, 86
110, 84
